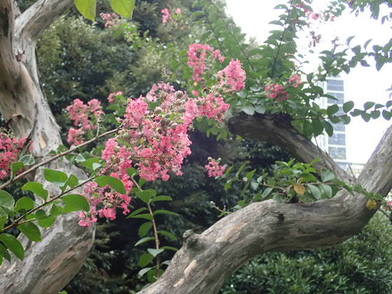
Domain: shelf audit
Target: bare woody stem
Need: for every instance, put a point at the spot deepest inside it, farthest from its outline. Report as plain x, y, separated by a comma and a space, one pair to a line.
19, 221
155, 229
62, 154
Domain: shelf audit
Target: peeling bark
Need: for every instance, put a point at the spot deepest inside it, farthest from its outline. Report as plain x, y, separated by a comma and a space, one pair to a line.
49, 265
205, 261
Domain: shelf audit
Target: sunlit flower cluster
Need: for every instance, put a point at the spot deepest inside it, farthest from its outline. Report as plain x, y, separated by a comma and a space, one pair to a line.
232, 77
85, 118
9, 152
279, 92
110, 19
214, 169
197, 59
167, 14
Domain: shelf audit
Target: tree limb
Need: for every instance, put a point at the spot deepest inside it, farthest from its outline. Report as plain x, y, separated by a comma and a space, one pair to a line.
277, 129
9, 67
40, 16
206, 260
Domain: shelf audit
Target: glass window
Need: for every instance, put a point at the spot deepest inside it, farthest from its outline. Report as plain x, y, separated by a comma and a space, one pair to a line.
335, 85
337, 139
339, 127
337, 152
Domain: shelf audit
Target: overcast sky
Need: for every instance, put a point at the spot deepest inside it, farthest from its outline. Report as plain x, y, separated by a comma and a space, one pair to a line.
361, 85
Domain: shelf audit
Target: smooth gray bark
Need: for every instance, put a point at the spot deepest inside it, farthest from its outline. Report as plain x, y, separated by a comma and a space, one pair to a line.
49, 265
207, 259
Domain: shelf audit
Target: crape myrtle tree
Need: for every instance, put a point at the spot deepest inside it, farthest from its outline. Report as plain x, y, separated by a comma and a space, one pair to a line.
148, 141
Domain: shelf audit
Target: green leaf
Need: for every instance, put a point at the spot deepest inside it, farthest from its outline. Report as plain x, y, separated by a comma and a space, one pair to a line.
368, 105
145, 259
87, 8
3, 217
144, 229
331, 110
348, 106
161, 198
250, 110
317, 127
75, 202
170, 248
315, 191
123, 7
146, 195
72, 181
143, 271
155, 252
55, 176
326, 191
328, 128
144, 240
13, 245
56, 210
113, 182
92, 163
6, 200
4, 252
24, 203
27, 159
266, 192
16, 167
46, 222
31, 231
169, 235
327, 176
164, 211
137, 211
143, 216
387, 114
37, 188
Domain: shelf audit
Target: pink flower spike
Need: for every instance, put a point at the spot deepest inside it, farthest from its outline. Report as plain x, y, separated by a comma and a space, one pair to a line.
214, 169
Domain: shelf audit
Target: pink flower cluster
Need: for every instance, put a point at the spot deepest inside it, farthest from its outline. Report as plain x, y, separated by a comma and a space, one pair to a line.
85, 117
112, 96
9, 152
197, 59
295, 80
103, 203
110, 19
214, 169
278, 91
167, 16
232, 77
159, 136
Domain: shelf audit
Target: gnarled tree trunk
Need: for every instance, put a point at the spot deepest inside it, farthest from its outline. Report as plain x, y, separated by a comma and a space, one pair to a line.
49, 265
207, 259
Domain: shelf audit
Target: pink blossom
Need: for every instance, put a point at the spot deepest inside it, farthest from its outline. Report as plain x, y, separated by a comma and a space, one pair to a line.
214, 169
295, 80
110, 19
165, 15
197, 58
276, 91
85, 117
9, 152
233, 76
112, 96
314, 16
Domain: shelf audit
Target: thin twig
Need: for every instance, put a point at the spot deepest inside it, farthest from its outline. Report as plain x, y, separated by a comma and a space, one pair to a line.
19, 221
62, 154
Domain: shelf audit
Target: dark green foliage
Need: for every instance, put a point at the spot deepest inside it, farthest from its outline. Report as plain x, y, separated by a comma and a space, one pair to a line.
359, 265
